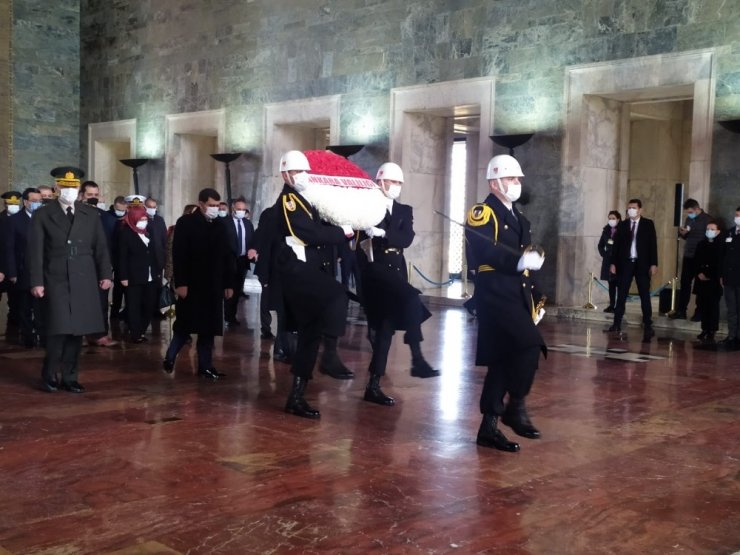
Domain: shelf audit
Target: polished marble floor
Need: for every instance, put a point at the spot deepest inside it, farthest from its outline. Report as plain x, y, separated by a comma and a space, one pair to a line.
640, 452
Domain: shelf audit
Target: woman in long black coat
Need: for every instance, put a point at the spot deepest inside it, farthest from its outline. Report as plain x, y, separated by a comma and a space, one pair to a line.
707, 286
138, 271
606, 244
202, 265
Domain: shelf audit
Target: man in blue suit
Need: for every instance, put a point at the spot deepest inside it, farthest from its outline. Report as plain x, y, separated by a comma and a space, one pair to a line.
16, 242
240, 234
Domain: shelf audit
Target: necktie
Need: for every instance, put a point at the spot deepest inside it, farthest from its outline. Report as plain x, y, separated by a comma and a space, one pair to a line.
632, 233
239, 236
70, 214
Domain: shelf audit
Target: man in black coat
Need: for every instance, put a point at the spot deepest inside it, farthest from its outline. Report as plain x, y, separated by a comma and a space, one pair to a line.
12, 206
507, 304
203, 267
731, 283
390, 302
635, 256
240, 237
157, 230
16, 269
67, 262
315, 302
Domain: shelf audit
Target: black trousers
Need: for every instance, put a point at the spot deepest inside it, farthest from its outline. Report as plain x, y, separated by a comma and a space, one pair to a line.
732, 300
613, 282
514, 375
688, 273
13, 316
265, 316
29, 315
104, 305
230, 305
62, 353
709, 301
117, 301
140, 302
204, 347
309, 337
626, 275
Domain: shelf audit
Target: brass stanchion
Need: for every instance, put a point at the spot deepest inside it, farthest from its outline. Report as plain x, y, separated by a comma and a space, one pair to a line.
590, 305
465, 294
409, 271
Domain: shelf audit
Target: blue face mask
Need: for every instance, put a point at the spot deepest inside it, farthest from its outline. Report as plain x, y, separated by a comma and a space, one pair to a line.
34, 206
692, 215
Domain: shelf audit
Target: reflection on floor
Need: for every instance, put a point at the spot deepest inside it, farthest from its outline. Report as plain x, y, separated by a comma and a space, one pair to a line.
640, 453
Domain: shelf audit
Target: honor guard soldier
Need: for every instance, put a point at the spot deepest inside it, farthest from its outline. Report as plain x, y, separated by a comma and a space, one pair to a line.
12, 207
507, 304
315, 302
68, 261
390, 302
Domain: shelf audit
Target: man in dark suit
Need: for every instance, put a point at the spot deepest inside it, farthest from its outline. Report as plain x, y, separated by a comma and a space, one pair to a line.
157, 228
12, 206
240, 237
203, 269
506, 300
17, 271
67, 262
731, 283
635, 256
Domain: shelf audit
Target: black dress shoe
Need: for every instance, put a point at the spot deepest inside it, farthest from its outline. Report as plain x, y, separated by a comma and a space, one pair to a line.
281, 356
332, 366
74, 387
614, 328
421, 369
703, 335
515, 417
138, 340
696, 317
678, 316
209, 373
374, 394
647, 335
609, 309
168, 365
49, 387
490, 436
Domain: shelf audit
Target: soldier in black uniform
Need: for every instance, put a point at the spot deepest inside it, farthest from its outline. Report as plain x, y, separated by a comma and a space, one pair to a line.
315, 302
390, 302
12, 206
507, 305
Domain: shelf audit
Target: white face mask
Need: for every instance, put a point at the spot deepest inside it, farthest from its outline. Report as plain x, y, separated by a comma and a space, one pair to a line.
120, 213
151, 212
300, 181
68, 195
613, 223
711, 233
239, 214
142, 224
632, 212
737, 221
222, 213
394, 191
14, 208
212, 212
513, 192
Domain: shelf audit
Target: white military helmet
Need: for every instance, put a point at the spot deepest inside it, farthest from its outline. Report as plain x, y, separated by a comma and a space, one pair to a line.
294, 160
503, 165
390, 171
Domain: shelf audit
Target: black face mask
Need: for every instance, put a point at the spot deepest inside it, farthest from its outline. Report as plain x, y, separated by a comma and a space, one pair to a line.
46, 200
92, 201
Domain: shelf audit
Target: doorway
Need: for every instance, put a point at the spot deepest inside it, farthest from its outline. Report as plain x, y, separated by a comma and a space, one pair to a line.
108, 143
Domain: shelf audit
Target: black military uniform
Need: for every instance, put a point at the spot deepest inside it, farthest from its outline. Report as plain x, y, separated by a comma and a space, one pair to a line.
390, 302
506, 300
315, 303
11, 198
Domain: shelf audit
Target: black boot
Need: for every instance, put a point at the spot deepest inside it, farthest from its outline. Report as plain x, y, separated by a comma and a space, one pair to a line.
648, 334
374, 394
297, 404
420, 368
515, 417
490, 436
331, 363
703, 335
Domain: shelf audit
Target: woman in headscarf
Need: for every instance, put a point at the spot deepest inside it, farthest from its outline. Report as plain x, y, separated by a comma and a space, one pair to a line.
138, 271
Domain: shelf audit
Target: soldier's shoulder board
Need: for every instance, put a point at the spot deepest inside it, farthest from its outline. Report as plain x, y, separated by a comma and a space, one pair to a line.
289, 204
480, 214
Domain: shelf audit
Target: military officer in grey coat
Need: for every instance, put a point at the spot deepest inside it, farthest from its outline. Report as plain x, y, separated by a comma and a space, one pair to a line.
68, 261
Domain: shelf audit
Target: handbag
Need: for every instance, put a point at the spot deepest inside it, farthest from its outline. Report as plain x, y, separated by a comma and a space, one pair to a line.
166, 296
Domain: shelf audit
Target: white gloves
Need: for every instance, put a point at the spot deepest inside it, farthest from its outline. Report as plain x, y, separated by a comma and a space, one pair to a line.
530, 260
348, 231
540, 316
375, 232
